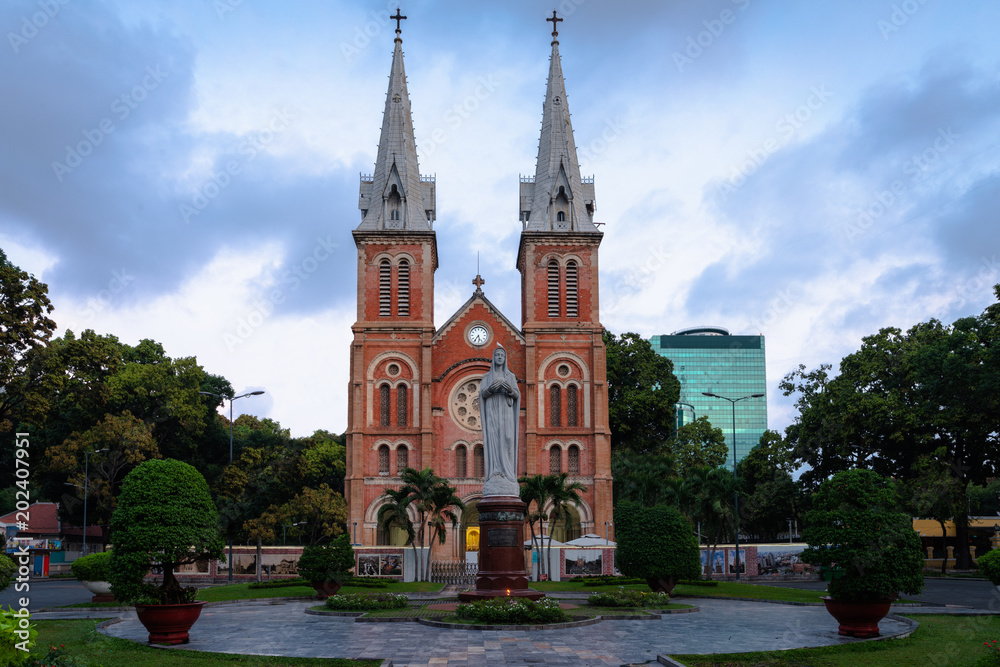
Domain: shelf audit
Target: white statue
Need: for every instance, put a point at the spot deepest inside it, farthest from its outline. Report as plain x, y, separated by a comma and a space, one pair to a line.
500, 410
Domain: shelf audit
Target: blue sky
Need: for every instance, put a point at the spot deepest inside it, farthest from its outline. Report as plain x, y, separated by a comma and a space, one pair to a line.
188, 172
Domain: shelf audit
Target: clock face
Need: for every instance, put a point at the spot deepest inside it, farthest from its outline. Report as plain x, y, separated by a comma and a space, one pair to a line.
478, 335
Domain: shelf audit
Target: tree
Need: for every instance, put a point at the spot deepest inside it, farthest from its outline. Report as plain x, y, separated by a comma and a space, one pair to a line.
431, 499
698, 443
323, 510
716, 489
394, 511
535, 489
642, 477
441, 511
24, 328
165, 518
770, 497
933, 492
656, 544
642, 391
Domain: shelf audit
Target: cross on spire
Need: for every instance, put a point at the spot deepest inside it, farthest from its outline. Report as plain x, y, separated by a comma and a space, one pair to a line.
555, 24
478, 282
399, 17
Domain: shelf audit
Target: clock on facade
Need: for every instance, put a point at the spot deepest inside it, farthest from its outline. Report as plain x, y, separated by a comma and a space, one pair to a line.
478, 335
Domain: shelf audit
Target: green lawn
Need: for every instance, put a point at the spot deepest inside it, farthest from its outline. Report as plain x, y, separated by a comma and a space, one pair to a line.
92, 648
943, 641
724, 589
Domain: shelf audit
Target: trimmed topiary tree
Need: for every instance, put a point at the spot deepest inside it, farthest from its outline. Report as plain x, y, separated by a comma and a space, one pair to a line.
989, 566
326, 566
165, 518
92, 567
7, 569
656, 544
854, 525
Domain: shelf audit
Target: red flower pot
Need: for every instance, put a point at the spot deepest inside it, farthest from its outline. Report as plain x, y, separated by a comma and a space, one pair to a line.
662, 585
858, 619
168, 623
325, 589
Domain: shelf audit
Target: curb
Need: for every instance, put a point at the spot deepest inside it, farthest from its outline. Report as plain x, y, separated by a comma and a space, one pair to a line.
521, 628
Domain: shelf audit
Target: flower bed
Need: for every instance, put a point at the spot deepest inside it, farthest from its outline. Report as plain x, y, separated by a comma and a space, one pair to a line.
366, 602
627, 598
512, 611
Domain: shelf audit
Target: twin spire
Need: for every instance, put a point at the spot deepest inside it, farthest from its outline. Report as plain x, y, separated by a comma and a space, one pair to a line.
396, 197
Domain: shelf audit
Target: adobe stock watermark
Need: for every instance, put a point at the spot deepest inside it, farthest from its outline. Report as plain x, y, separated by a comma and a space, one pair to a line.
916, 168
221, 179
122, 107
633, 281
118, 283
776, 308
900, 16
459, 112
263, 308
978, 285
786, 127
613, 129
33, 24
700, 42
223, 7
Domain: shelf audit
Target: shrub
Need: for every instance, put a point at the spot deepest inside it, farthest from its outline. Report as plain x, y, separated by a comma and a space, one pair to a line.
7, 569
367, 582
510, 610
608, 580
57, 656
93, 567
327, 562
16, 634
854, 525
367, 601
278, 583
165, 518
989, 566
655, 543
625, 598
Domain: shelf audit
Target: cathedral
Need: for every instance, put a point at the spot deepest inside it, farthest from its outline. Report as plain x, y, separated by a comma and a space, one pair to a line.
413, 394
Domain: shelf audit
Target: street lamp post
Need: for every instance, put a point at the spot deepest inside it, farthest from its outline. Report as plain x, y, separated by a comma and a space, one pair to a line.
86, 489
285, 526
736, 491
226, 398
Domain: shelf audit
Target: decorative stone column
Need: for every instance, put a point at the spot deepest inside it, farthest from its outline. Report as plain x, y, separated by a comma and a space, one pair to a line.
930, 553
501, 551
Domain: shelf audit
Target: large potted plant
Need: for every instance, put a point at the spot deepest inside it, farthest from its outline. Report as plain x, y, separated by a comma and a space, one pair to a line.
326, 566
165, 518
656, 544
854, 525
92, 571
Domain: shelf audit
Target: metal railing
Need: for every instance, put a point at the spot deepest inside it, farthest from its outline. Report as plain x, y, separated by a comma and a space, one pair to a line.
454, 572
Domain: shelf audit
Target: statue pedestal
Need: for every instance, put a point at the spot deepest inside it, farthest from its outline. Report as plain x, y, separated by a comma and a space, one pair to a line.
501, 551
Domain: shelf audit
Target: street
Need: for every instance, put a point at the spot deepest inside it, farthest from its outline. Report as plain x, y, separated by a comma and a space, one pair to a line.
978, 594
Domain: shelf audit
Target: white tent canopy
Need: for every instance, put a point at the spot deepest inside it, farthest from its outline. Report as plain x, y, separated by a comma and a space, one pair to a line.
590, 540
546, 542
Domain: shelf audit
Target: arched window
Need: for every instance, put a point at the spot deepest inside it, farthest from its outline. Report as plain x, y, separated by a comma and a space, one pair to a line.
394, 214
571, 409
574, 460
383, 460
383, 408
553, 288
460, 464
402, 459
477, 461
384, 288
401, 404
555, 405
561, 216
403, 288
555, 460
572, 301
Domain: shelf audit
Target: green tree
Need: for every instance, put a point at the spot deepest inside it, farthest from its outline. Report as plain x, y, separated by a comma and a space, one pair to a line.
769, 495
642, 478
696, 444
431, 497
933, 492
716, 488
394, 511
440, 514
656, 544
562, 494
165, 518
642, 391
535, 489
323, 510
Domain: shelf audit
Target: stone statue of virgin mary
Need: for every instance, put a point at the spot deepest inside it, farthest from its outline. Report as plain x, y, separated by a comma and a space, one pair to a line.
500, 410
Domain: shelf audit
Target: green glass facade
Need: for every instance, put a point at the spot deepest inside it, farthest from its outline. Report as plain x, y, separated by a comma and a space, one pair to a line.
711, 360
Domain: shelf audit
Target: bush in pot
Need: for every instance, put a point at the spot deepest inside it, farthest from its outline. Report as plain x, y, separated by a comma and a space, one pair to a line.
165, 518
656, 544
92, 570
326, 566
854, 525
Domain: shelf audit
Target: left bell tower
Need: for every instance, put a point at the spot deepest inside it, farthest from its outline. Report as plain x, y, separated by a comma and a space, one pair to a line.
389, 410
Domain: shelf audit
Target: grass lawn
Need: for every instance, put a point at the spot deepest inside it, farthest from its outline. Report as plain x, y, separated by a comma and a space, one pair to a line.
92, 648
724, 589
942, 641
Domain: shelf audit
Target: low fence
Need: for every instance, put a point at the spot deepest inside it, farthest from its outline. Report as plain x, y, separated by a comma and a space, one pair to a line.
454, 572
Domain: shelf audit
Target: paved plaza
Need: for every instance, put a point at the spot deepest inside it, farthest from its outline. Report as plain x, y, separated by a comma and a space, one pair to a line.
283, 628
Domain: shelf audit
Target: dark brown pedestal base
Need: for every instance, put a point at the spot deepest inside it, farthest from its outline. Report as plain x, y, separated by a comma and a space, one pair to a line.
501, 551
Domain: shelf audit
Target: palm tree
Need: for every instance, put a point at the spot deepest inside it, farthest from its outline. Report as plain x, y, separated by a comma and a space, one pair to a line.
536, 489
562, 495
714, 506
439, 514
418, 487
394, 511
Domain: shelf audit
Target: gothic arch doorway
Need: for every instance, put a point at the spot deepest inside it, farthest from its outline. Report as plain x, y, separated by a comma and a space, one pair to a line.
469, 534
567, 526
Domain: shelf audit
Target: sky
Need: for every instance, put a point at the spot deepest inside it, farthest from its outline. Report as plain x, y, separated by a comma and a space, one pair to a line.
810, 171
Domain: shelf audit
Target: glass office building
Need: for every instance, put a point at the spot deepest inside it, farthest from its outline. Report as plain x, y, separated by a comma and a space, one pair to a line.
709, 359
